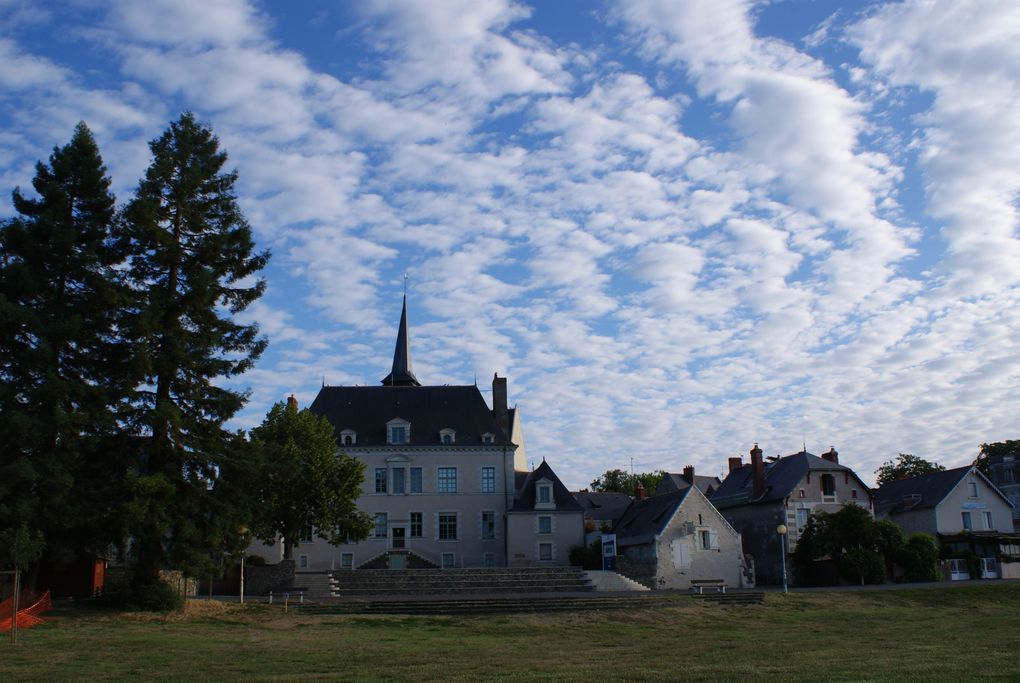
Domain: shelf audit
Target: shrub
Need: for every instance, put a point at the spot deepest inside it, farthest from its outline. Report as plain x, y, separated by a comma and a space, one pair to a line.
919, 558
158, 597
588, 558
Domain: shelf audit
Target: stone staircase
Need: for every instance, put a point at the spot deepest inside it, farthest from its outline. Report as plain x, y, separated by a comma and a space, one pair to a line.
612, 582
475, 581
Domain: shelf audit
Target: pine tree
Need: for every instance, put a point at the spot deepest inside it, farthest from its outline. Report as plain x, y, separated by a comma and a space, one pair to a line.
194, 265
65, 372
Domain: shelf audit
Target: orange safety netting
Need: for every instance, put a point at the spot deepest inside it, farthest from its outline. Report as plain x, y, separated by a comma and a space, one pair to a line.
27, 617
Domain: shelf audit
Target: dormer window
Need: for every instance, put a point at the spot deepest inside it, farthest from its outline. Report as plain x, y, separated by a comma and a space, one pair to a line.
544, 495
348, 437
488, 437
447, 436
398, 431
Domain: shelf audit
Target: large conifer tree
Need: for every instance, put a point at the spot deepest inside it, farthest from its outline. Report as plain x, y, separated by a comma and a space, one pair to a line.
65, 371
194, 266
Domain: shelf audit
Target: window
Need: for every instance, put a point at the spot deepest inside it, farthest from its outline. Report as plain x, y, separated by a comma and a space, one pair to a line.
348, 437
489, 559
447, 480
800, 493
802, 517
398, 434
415, 480
1008, 474
488, 438
987, 519
416, 525
488, 480
398, 480
448, 526
380, 525
447, 436
967, 524
380, 480
828, 483
545, 552
545, 494
306, 534
709, 539
488, 524
303, 561
545, 524
853, 493
346, 560
972, 489
449, 561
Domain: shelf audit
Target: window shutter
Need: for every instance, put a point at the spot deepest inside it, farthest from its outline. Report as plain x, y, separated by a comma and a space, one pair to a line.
713, 540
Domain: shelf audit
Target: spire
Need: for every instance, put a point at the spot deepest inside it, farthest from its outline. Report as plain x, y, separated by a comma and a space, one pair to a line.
401, 375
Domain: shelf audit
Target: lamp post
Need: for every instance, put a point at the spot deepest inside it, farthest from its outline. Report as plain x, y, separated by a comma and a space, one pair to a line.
781, 530
244, 551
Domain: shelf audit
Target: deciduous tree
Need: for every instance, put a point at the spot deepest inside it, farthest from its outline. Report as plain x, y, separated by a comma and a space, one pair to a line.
905, 466
619, 481
996, 450
300, 481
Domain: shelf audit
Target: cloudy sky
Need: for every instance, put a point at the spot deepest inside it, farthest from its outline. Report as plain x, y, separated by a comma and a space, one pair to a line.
679, 228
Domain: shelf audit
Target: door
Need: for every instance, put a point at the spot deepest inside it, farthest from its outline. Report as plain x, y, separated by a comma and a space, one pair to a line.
398, 537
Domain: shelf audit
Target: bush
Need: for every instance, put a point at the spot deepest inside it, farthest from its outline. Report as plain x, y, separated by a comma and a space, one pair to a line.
919, 558
862, 565
159, 597
588, 558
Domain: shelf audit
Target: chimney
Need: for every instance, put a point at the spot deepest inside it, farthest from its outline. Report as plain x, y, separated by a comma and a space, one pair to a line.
639, 491
689, 474
292, 403
499, 409
832, 456
736, 463
757, 473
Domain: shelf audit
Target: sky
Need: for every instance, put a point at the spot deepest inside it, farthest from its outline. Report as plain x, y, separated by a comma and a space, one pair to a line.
678, 228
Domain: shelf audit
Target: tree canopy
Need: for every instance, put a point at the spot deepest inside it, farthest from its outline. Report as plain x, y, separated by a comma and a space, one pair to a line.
990, 451
904, 467
299, 481
620, 481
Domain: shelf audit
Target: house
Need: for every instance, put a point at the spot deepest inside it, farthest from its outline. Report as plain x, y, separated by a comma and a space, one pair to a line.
758, 497
671, 540
677, 482
964, 510
443, 473
1004, 471
545, 521
602, 509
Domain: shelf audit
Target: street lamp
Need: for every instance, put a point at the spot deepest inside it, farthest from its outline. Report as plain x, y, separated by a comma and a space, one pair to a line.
781, 530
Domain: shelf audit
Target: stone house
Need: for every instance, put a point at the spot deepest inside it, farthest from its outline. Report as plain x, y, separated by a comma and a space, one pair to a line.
670, 540
545, 521
759, 496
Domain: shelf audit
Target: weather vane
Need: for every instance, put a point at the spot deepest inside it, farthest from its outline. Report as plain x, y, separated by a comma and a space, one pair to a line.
405, 284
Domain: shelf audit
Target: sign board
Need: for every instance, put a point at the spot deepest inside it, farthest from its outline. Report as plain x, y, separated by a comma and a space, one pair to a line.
609, 552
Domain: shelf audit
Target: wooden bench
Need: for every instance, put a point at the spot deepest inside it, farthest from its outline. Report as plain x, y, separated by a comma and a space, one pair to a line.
699, 585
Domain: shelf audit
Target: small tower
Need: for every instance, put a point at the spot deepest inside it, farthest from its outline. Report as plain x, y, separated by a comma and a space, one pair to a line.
401, 374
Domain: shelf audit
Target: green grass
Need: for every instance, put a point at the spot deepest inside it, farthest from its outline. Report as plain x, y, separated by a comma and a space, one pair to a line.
921, 635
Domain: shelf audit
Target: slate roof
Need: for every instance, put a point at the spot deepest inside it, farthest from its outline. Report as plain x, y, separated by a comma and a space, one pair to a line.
917, 493
603, 505
644, 519
675, 481
781, 477
366, 410
524, 499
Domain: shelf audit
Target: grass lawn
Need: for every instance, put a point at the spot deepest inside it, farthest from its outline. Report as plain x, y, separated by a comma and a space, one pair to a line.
921, 635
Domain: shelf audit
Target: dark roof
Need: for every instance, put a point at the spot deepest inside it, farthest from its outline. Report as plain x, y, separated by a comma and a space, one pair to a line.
781, 477
524, 499
644, 519
673, 481
401, 374
603, 505
924, 491
366, 410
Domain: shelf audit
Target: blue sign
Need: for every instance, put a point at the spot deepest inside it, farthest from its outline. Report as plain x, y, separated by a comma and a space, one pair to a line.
609, 552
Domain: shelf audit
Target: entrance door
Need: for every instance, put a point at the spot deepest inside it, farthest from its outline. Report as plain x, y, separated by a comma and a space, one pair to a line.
398, 537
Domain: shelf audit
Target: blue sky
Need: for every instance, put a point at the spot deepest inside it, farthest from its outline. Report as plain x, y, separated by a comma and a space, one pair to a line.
679, 228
